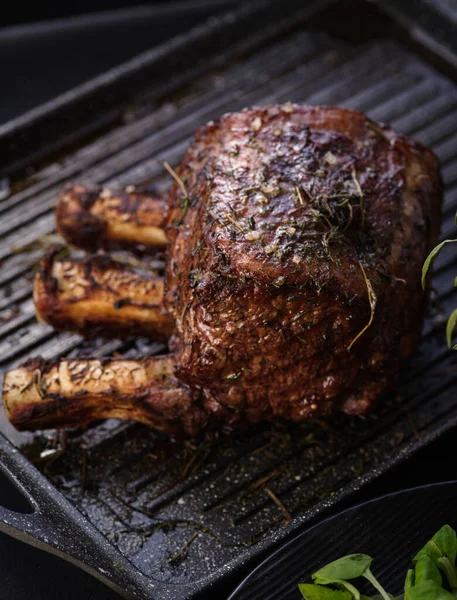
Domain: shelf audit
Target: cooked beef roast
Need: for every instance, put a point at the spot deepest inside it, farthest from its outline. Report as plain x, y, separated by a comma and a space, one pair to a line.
296, 240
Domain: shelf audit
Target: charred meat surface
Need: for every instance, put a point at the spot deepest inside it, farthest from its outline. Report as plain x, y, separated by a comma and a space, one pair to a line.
296, 237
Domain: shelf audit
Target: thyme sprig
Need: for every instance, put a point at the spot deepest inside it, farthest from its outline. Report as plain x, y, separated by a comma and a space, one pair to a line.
376, 129
372, 299
299, 196
177, 178
184, 203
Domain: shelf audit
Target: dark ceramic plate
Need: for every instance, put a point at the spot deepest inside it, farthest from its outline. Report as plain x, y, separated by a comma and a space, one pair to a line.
391, 529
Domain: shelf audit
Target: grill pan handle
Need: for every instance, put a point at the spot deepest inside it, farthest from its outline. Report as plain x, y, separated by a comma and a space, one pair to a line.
57, 527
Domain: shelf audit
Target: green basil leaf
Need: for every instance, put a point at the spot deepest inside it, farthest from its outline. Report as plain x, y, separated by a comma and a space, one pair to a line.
339, 582
431, 257
451, 324
318, 592
409, 582
448, 568
426, 570
442, 545
347, 567
429, 590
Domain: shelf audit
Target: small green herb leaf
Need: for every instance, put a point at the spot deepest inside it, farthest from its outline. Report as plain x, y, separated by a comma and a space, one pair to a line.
347, 567
448, 569
443, 544
442, 549
375, 583
426, 570
429, 590
431, 257
339, 582
318, 592
409, 582
451, 324
379, 597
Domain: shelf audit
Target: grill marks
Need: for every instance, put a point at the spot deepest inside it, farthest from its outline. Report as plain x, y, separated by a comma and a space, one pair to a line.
145, 504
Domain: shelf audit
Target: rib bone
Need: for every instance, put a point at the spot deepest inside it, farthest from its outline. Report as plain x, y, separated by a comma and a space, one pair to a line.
99, 296
44, 394
91, 218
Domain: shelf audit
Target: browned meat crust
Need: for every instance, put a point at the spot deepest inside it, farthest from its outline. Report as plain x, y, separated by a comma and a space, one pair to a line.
295, 221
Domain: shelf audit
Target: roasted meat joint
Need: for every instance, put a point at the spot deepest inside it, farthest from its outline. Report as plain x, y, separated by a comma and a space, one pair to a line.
295, 237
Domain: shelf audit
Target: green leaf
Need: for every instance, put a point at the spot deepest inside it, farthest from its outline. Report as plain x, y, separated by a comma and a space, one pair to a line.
442, 549
339, 582
346, 567
318, 592
431, 257
448, 569
375, 583
409, 582
429, 590
426, 570
451, 324
443, 544
378, 597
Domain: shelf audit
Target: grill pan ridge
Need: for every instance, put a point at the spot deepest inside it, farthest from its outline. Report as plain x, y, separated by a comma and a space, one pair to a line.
187, 515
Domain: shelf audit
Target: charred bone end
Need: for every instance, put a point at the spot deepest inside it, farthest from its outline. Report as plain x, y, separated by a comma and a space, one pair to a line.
91, 217
46, 394
100, 296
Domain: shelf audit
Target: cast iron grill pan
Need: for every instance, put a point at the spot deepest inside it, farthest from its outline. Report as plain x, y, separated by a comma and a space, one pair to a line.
186, 515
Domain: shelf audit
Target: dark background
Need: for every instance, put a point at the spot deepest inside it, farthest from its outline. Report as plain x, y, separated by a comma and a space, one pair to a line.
48, 48
45, 50
26, 12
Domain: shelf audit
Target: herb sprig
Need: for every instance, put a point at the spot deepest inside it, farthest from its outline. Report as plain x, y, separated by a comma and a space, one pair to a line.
452, 321
434, 576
